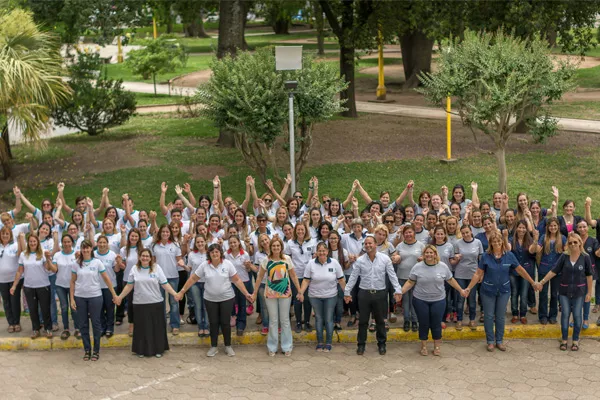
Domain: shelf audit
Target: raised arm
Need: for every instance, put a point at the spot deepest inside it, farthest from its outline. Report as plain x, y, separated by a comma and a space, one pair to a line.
61, 195
90, 213
20, 196
285, 189
185, 201
405, 192
348, 200
277, 196
163, 193
218, 193
188, 189
104, 202
255, 198
474, 196
57, 213
555, 203
153, 224
588, 213
363, 192
246, 201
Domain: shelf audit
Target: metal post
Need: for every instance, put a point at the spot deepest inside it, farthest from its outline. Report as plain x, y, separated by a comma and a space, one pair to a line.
381, 89
292, 141
154, 29
119, 50
449, 128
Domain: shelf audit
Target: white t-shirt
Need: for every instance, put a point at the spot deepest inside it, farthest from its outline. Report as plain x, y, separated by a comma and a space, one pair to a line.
218, 280
87, 284
238, 263
65, 262
9, 262
147, 284
409, 255
300, 254
147, 242
323, 278
195, 260
129, 261
166, 256
108, 260
114, 241
36, 274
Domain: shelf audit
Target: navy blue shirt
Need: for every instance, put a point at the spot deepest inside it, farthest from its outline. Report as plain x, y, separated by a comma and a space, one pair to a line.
496, 273
548, 260
573, 277
525, 258
591, 245
483, 239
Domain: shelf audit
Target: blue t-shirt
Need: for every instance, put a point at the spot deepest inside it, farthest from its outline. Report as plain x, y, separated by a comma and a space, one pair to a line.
496, 279
548, 261
483, 239
525, 258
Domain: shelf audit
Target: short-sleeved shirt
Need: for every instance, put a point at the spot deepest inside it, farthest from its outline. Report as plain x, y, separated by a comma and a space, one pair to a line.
36, 274
195, 259
573, 275
422, 236
470, 253
108, 260
323, 278
409, 254
429, 281
446, 252
354, 246
166, 256
9, 262
238, 262
300, 254
547, 261
147, 284
65, 262
114, 241
87, 284
217, 286
277, 277
496, 273
130, 260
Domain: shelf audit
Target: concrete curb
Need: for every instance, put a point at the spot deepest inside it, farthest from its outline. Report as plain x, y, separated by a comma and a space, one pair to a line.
255, 338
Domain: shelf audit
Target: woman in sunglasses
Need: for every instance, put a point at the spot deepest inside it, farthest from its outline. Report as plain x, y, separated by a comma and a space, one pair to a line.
574, 269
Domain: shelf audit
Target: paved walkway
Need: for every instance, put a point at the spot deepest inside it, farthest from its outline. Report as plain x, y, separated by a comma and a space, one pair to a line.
530, 369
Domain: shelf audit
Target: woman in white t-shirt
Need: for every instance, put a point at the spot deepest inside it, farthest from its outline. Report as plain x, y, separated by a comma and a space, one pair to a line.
150, 334
36, 284
128, 257
195, 258
10, 250
86, 297
340, 254
321, 277
241, 261
65, 261
110, 262
219, 274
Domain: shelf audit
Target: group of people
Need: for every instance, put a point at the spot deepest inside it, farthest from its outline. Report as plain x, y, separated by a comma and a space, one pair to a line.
296, 255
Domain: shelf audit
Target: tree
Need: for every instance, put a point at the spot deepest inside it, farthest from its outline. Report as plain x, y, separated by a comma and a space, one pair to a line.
247, 96
158, 57
30, 79
98, 103
499, 80
192, 17
279, 13
319, 26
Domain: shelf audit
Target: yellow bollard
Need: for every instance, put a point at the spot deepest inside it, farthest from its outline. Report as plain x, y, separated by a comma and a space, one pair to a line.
119, 50
381, 90
155, 30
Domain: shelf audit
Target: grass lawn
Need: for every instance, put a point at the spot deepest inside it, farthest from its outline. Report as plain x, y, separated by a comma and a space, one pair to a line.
149, 99
588, 77
577, 109
194, 63
181, 153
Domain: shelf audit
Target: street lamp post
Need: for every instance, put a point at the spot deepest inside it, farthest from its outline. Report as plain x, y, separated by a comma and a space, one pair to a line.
289, 58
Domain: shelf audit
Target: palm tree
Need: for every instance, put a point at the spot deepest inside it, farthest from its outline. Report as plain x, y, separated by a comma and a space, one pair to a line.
30, 81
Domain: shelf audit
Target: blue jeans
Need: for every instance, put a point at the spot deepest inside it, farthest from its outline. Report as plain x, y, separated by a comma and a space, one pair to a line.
472, 301
407, 303
264, 310
429, 314
240, 301
339, 307
494, 308
173, 304
552, 286
108, 312
518, 296
279, 313
65, 305
324, 308
93, 307
571, 306
197, 294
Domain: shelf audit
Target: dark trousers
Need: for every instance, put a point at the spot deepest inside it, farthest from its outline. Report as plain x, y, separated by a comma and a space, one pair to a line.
299, 307
218, 317
353, 306
12, 303
39, 297
372, 302
90, 308
107, 316
543, 311
240, 301
183, 277
120, 314
429, 314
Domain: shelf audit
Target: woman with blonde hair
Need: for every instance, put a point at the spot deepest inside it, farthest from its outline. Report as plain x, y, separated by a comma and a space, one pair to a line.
9, 264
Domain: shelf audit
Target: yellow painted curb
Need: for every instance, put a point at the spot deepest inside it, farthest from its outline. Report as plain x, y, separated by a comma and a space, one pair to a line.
534, 331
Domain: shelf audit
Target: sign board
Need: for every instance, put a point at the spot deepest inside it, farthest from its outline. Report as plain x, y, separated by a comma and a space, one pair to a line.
288, 58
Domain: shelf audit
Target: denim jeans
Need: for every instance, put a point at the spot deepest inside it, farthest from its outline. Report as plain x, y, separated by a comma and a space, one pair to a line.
339, 307
240, 301
298, 307
107, 316
173, 304
197, 294
494, 308
597, 289
430, 314
570, 306
53, 308
264, 311
472, 301
324, 308
90, 308
552, 286
407, 303
65, 306
12, 303
518, 296
279, 314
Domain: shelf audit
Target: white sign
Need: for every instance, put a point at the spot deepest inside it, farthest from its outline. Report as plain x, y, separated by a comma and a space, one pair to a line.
288, 58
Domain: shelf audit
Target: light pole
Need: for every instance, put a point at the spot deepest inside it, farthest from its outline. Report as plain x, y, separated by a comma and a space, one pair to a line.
289, 58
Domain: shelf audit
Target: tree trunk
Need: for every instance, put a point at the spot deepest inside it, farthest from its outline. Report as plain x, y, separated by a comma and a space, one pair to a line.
416, 57
319, 25
551, 36
231, 27
347, 71
281, 26
201, 33
191, 29
226, 138
6, 138
5, 159
502, 177
247, 5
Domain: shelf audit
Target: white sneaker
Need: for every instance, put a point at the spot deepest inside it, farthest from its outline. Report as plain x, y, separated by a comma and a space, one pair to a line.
212, 352
229, 351
271, 354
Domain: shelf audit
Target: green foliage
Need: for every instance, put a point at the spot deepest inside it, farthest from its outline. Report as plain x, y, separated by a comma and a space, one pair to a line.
98, 103
158, 57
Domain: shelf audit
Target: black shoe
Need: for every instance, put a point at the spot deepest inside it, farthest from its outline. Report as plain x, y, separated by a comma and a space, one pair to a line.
298, 327
543, 321
382, 349
598, 321
360, 350
552, 321
308, 327
406, 326
337, 327
415, 327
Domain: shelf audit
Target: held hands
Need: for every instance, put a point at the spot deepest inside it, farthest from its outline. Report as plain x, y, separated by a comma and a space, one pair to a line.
398, 297
465, 292
300, 297
347, 299
249, 297
178, 296
73, 304
117, 300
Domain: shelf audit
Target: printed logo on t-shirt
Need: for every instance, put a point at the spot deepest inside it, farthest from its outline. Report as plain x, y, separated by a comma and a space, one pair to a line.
330, 269
153, 275
581, 267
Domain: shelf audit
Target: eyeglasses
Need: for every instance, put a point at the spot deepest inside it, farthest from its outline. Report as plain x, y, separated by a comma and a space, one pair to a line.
389, 222
570, 243
349, 217
327, 201
262, 220
268, 200
298, 197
